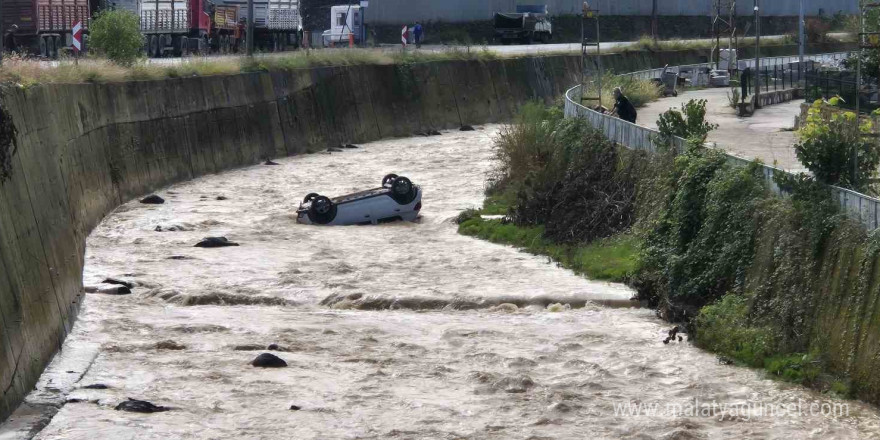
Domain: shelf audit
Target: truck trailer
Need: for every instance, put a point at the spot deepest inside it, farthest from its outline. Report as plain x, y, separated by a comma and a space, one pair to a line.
529, 23
178, 27
277, 23
44, 26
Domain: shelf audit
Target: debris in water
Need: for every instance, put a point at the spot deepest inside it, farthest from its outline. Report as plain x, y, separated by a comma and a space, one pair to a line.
295, 407
273, 347
434, 133
179, 257
222, 198
215, 242
128, 284
672, 334
269, 162
96, 386
466, 128
558, 307
268, 360
350, 146
152, 200
140, 406
169, 344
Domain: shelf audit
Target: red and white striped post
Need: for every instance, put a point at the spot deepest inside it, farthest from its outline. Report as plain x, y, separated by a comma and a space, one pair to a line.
77, 40
403, 36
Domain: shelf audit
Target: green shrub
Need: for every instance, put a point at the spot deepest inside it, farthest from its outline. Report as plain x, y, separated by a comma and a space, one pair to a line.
117, 35
724, 328
827, 142
688, 123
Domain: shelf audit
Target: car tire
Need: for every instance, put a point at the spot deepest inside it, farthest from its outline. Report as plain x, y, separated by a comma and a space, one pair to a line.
322, 211
388, 179
311, 196
403, 191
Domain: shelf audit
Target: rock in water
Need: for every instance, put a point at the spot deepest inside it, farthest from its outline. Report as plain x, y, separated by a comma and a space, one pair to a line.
140, 406
115, 290
222, 198
269, 162
436, 133
466, 128
351, 146
152, 200
334, 150
169, 345
215, 242
128, 284
268, 360
96, 386
295, 407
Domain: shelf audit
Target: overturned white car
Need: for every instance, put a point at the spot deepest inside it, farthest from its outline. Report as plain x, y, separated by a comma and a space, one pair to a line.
397, 199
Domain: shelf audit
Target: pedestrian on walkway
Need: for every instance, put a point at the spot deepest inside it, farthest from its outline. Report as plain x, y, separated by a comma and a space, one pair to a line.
622, 107
417, 34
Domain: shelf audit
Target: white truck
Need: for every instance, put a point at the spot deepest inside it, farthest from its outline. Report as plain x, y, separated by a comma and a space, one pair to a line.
345, 24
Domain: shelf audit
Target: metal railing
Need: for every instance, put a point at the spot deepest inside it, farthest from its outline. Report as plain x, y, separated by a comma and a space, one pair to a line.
864, 208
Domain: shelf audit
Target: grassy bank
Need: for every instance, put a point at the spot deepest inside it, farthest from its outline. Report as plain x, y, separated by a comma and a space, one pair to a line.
789, 285
613, 259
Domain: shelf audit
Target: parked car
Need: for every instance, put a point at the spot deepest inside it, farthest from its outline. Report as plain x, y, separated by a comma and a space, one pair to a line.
397, 199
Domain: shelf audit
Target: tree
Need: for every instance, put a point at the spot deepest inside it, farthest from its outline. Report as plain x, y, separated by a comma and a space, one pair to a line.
826, 145
117, 35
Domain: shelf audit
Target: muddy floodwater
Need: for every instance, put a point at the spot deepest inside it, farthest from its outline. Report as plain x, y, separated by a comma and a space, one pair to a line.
391, 331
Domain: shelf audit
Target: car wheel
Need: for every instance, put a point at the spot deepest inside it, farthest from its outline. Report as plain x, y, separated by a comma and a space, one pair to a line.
310, 197
388, 179
402, 190
322, 211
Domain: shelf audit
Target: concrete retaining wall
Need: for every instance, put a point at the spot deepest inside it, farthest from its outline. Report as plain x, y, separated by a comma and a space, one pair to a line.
83, 149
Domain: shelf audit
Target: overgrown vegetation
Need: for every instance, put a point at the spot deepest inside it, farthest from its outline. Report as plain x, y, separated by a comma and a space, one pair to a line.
828, 142
639, 92
764, 281
116, 34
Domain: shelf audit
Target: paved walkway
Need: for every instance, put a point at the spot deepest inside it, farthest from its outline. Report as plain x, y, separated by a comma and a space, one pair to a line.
767, 135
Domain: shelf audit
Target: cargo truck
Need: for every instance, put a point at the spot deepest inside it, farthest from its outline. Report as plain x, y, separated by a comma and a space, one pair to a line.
277, 23
530, 23
178, 27
44, 26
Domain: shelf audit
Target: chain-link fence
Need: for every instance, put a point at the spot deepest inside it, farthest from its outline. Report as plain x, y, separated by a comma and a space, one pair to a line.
828, 84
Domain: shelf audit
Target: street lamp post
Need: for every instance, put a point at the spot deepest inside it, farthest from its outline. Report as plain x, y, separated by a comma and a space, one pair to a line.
250, 28
757, 54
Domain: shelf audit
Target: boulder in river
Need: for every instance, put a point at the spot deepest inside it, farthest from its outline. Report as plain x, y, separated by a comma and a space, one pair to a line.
215, 242
268, 360
114, 290
96, 386
222, 198
466, 128
169, 344
152, 199
140, 406
295, 407
119, 282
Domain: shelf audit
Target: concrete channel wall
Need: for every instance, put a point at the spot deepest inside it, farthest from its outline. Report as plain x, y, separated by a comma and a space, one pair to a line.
83, 149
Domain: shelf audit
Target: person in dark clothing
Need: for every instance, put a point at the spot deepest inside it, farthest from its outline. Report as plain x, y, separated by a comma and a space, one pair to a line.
9, 43
622, 107
744, 82
417, 34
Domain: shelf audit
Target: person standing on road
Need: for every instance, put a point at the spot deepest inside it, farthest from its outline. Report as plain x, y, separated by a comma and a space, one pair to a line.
417, 34
622, 107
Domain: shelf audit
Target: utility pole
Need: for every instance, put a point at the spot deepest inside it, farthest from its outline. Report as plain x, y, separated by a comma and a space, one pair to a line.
250, 28
802, 40
757, 53
654, 30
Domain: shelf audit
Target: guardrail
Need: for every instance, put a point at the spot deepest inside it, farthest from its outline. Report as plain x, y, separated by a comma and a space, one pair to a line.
864, 208
742, 64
